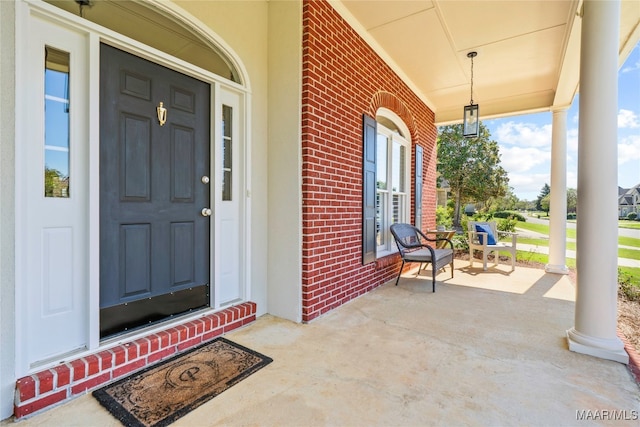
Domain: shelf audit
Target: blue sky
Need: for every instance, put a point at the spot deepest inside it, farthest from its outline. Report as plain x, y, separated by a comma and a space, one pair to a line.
525, 141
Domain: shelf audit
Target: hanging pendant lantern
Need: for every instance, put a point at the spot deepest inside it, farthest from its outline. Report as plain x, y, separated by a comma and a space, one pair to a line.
471, 119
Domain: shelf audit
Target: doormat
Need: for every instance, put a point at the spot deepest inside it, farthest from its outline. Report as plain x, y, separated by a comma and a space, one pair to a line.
159, 395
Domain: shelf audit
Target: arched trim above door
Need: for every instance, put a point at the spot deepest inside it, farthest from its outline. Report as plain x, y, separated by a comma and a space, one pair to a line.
167, 27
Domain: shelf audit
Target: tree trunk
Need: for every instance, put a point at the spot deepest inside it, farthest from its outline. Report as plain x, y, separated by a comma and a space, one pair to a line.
456, 211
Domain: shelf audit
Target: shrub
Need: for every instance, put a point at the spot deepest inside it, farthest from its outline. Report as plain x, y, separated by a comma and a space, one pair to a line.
571, 215
632, 216
508, 214
461, 242
481, 216
443, 217
627, 287
507, 224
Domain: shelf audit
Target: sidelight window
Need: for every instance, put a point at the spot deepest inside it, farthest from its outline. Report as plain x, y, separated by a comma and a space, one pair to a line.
227, 153
56, 120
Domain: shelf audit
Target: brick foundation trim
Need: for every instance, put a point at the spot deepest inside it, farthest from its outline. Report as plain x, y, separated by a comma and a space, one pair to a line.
66, 381
634, 357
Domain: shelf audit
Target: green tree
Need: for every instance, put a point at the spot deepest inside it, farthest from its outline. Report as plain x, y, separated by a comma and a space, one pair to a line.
545, 203
508, 202
572, 200
525, 205
53, 181
543, 192
471, 166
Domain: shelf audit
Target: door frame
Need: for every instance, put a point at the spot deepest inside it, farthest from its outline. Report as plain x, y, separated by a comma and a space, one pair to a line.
94, 35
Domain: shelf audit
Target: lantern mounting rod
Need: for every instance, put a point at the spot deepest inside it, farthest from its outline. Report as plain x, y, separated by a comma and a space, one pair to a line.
472, 55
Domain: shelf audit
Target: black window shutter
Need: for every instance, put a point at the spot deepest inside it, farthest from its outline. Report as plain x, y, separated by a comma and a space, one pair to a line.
418, 187
369, 190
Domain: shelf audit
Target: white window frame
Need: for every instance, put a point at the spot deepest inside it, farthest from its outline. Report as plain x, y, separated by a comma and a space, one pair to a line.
400, 136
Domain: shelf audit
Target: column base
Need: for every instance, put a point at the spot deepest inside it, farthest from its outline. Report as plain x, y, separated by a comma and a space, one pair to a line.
556, 269
609, 349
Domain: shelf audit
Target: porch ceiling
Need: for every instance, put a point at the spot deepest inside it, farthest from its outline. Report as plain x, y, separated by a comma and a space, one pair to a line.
528, 51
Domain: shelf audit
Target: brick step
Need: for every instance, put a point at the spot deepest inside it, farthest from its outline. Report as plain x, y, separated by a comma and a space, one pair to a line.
66, 381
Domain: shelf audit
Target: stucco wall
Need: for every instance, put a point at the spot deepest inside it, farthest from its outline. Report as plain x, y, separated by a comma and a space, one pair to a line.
243, 26
285, 197
342, 79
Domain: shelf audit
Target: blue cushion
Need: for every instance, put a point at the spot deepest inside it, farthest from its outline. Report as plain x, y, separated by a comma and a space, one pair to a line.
491, 240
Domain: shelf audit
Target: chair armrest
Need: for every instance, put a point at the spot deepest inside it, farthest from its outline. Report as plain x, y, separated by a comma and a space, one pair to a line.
474, 238
443, 239
437, 239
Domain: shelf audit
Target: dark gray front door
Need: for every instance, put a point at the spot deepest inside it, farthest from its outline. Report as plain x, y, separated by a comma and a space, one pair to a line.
154, 238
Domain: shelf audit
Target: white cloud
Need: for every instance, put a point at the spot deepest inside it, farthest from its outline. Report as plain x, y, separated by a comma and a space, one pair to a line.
631, 67
522, 159
524, 134
528, 186
629, 149
627, 119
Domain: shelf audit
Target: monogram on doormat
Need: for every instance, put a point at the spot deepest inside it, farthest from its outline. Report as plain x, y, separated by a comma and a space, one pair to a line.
159, 395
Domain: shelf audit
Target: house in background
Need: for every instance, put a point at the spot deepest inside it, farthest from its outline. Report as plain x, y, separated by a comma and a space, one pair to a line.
629, 201
224, 160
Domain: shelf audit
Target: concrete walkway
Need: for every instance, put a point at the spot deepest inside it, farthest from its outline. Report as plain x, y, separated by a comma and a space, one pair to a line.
486, 349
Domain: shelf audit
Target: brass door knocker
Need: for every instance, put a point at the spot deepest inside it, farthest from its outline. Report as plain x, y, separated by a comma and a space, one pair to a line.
162, 114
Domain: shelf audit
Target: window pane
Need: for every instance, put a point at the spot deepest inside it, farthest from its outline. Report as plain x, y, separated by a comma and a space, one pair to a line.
398, 208
56, 123
398, 167
227, 154
381, 223
381, 161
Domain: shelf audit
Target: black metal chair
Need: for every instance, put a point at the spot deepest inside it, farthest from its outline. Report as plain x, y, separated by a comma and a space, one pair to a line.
412, 245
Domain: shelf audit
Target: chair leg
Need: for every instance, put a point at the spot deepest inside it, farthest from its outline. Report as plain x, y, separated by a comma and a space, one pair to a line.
399, 272
451, 266
433, 276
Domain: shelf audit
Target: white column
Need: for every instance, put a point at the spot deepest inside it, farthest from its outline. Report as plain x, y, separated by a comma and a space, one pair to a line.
594, 332
558, 202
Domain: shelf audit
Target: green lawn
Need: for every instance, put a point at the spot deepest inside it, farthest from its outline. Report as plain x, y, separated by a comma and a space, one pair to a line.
571, 234
630, 273
629, 224
622, 252
543, 228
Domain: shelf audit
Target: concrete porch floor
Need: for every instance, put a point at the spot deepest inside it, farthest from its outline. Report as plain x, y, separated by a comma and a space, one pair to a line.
486, 349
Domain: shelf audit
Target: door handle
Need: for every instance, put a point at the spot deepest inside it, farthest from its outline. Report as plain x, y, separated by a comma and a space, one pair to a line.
205, 212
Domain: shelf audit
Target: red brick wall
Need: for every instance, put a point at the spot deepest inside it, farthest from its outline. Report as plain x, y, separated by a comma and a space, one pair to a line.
342, 79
